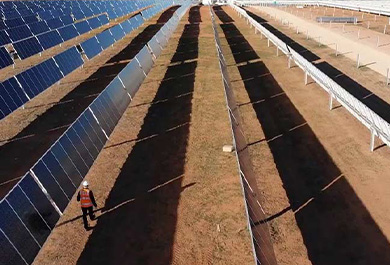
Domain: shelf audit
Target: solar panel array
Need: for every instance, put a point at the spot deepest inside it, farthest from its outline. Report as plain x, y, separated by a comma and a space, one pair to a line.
49, 23
17, 90
32, 208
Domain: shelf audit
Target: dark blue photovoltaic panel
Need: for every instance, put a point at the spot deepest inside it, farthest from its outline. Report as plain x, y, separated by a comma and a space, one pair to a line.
52, 70
11, 23
96, 134
50, 39
59, 174
4, 38
67, 164
117, 32
103, 19
39, 27
28, 47
69, 60
19, 33
29, 216
5, 58
105, 39
127, 26
78, 15
118, 95
73, 154
81, 148
8, 253
50, 184
94, 23
45, 15
30, 19
54, 23
30, 82
82, 27
109, 106
15, 92
2, 25
102, 115
39, 199
17, 233
66, 20
91, 47
83, 133
68, 32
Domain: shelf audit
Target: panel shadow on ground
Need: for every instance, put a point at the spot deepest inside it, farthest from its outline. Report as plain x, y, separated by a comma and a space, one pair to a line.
141, 230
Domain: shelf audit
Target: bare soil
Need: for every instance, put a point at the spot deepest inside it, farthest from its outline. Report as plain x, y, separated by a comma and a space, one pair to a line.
325, 193
350, 40
166, 192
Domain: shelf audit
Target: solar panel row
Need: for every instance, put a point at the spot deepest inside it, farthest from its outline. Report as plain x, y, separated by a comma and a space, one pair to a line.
95, 45
43, 41
20, 14
17, 90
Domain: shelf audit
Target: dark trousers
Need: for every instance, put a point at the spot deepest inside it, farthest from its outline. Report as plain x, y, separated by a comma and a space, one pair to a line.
87, 210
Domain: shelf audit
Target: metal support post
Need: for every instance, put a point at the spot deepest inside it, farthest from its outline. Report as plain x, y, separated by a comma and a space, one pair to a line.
372, 142
330, 101
384, 30
358, 61
377, 42
337, 50
387, 77
307, 34
277, 51
359, 34
306, 78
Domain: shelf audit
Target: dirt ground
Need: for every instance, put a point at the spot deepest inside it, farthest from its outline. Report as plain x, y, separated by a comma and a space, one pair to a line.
326, 195
27, 133
364, 83
347, 41
166, 192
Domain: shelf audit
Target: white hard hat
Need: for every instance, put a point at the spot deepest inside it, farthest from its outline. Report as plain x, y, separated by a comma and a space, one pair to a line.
85, 184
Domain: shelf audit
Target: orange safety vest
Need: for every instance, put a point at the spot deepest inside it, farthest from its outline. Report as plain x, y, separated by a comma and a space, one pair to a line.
85, 200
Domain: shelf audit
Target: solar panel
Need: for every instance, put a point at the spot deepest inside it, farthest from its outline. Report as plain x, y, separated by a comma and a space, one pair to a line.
66, 20
30, 82
5, 58
28, 215
117, 32
11, 23
105, 39
38, 27
49, 39
54, 23
78, 15
94, 23
68, 32
30, 19
82, 27
50, 184
126, 26
68, 60
103, 19
11, 225
40, 201
19, 33
2, 25
91, 47
8, 253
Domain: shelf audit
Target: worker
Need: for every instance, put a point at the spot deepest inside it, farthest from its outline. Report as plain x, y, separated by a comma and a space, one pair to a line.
87, 201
